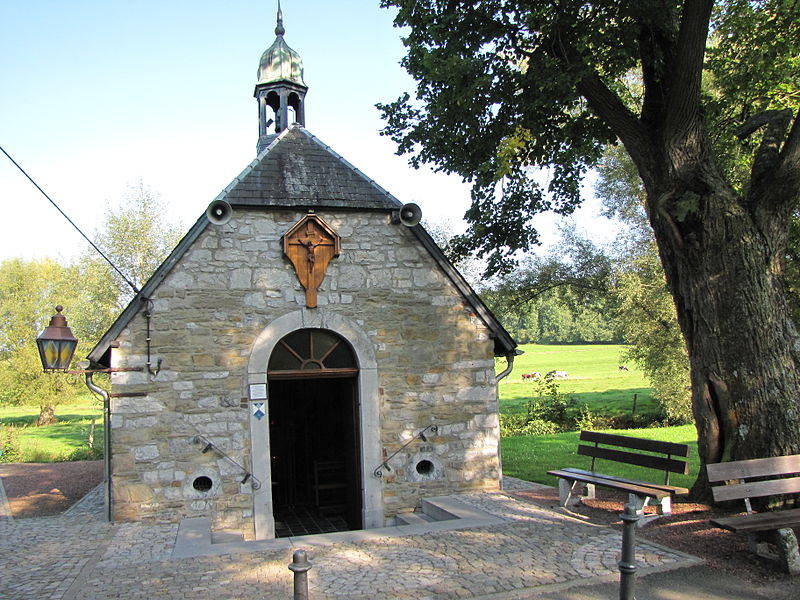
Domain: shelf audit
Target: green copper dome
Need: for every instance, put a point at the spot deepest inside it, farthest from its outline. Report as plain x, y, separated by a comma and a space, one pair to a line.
279, 62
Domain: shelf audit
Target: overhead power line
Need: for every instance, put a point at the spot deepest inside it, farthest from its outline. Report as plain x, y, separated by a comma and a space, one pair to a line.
78, 229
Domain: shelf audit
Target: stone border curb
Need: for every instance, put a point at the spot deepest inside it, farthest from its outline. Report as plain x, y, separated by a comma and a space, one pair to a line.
5, 509
88, 502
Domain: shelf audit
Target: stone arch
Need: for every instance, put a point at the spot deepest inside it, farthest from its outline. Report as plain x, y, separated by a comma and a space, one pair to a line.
264, 344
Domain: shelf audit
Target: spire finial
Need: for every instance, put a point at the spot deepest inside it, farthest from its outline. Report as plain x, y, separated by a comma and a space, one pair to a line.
279, 30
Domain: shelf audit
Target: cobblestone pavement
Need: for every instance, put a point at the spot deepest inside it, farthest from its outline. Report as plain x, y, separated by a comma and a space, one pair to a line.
78, 555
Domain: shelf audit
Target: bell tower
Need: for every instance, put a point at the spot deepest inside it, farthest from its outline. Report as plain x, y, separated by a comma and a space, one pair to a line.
280, 90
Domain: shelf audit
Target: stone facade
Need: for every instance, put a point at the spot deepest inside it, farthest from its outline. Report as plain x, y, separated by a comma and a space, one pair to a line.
425, 358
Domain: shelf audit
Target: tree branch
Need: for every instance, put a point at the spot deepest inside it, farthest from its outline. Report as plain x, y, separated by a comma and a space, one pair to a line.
604, 102
775, 175
607, 105
788, 167
766, 158
655, 50
685, 77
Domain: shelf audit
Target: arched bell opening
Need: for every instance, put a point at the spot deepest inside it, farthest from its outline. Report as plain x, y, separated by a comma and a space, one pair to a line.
295, 104
272, 111
314, 434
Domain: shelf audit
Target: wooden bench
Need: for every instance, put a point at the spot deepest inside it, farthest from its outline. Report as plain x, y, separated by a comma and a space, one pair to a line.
669, 457
761, 478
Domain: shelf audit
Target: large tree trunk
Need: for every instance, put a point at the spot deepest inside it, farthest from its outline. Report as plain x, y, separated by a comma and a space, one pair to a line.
723, 260
47, 415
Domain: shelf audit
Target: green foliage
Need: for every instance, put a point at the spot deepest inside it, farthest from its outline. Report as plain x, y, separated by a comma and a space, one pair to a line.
705, 104
548, 319
29, 291
93, 453
136, 238
9, 445
753, 65
560, 298
495, 101
547, 411
511, 425
650, 326
504, 90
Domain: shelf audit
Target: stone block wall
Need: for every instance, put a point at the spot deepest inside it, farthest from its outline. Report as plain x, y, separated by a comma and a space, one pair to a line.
434, 356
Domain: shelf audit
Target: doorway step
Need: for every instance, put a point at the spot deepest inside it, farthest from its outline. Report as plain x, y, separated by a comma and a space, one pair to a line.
432, 510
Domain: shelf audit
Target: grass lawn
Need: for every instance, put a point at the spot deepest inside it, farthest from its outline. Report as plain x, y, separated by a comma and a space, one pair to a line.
55, 442
594, 378
529, 457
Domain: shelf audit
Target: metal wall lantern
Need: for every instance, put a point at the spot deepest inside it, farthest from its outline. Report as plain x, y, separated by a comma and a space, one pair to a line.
56, 346
56, 343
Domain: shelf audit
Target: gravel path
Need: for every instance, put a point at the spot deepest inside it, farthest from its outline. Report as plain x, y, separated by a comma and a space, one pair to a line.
43, 489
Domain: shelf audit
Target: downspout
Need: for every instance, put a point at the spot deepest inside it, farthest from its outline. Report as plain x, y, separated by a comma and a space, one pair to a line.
502, 375
106, 441
510, 360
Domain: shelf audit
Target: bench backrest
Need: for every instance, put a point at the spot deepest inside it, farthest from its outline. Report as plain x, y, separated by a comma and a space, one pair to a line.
667, 463
777, 468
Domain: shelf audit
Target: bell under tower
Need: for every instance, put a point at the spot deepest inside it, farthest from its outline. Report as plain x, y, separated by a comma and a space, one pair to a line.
280, 91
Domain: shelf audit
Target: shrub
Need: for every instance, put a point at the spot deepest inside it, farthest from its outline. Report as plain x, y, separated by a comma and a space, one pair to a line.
38, 455
586, 419
87, 453
9, 447
551, 405
517, 424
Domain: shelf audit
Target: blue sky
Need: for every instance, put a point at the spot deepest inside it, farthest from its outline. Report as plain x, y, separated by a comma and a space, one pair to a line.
96, 95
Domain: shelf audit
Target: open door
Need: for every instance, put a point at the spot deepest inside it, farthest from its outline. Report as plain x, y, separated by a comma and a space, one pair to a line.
314, 434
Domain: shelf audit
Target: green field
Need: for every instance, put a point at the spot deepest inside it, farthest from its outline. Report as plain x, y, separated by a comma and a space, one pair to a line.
594, 378
66, 440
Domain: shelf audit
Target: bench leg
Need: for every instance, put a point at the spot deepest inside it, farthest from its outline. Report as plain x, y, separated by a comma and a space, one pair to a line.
665, 506
589, 493
639, 503
570, 492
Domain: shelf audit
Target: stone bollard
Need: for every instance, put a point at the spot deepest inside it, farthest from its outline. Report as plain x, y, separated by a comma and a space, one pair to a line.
300, 567
627, 562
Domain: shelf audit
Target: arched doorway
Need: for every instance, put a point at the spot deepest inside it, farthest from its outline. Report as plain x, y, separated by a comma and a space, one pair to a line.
314, 445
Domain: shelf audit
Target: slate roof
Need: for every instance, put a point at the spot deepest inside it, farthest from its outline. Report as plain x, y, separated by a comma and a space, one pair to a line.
297, 170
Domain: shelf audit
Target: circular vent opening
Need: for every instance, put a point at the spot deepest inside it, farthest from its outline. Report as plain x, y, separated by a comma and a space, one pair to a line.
424, 467
202, 483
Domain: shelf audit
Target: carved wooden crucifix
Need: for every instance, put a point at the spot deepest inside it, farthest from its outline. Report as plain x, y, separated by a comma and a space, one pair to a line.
310, 245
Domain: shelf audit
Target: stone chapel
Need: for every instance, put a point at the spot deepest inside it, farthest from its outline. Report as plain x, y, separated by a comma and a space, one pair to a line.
306, 348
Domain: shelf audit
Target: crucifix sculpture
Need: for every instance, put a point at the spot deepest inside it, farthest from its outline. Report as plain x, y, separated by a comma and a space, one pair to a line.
310, 245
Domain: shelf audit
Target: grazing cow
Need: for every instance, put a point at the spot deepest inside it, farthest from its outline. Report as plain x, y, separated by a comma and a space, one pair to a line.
557, 375
534, 375
623, 368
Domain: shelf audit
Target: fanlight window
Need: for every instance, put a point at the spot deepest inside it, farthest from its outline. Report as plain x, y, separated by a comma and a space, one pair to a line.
312, 353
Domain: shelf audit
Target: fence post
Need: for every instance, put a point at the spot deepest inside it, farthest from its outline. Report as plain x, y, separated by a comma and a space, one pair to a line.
300, 567
627, 562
